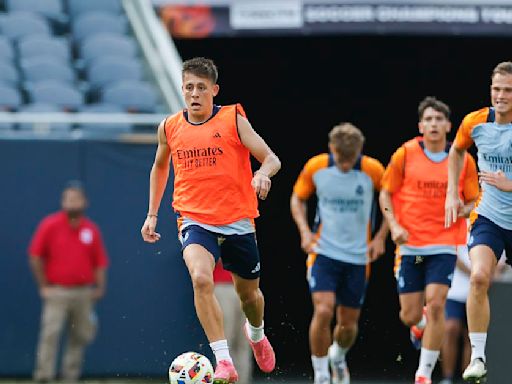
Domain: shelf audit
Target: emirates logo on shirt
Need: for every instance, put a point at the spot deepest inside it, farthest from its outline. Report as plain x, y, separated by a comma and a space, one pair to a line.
86, 236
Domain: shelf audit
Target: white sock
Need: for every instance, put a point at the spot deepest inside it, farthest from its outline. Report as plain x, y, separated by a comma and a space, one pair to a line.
255, 333
220, 350
320, 366
428, 360
338, 351
478, 341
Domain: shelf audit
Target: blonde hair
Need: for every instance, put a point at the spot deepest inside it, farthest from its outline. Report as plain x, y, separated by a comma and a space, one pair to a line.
504, 68
347, 139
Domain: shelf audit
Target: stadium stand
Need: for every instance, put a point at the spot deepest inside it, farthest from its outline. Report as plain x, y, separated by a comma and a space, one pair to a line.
72, 56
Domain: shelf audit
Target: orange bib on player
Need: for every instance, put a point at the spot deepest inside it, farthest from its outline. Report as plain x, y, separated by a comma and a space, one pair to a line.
422, 196
212, 168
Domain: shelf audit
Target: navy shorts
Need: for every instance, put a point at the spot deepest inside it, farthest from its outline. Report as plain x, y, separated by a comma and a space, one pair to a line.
455, 310
485, 232
414, 273
346, 280
239, 253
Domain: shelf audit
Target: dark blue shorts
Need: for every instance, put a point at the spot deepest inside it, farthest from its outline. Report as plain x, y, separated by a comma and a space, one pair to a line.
347, 280
414, 273
485, 232
455, 310
239, 253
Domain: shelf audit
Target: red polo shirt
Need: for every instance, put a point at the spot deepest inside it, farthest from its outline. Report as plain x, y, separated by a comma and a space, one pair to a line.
220, 275
71, 255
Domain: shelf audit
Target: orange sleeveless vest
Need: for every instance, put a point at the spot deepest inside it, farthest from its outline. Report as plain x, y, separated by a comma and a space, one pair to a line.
419, 204
212, 168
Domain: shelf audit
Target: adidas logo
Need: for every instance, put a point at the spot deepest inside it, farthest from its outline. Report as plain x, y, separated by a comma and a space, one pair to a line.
217, 135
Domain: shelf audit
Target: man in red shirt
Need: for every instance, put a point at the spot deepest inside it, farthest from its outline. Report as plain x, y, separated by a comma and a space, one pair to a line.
69, 261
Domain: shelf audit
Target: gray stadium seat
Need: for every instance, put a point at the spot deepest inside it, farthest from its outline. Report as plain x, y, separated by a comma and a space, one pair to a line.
135, 96
51, 9
15, 25
103, 44
41, 45
6, 50
56, 92
77, 7
8, 73
46, 68
111, 69
10, 98
43, 107
104, 128
91, 23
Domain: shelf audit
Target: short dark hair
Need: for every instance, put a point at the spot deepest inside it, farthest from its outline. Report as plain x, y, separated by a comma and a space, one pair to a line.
347, 139
201, 67
75, 185
503, 68
432, 102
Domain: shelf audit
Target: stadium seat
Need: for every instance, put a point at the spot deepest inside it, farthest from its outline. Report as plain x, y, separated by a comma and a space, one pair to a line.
56, 92
41, 45
10, 98
111, 69
103, 44
77, 7
52, 9
6, 50
104, 128
134, 96
97, 22
43, 107
8, 73
15, 25
46, 68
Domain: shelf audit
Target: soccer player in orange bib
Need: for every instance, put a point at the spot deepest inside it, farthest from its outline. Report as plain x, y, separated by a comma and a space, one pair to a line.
344, 181
490, 129
412, 200
215, 199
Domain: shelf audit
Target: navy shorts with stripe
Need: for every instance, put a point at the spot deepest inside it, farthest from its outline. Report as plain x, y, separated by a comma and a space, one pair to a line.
346, 280
485, 232
455, 310
416, 272
239, 253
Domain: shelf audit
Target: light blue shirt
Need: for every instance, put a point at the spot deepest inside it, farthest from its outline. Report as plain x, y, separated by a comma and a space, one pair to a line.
494, 143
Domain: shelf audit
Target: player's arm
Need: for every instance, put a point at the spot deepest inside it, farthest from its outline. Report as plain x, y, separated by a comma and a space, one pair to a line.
157, 183
392, 182
471, 188
299, 210
100, 282
453, 204
270, 163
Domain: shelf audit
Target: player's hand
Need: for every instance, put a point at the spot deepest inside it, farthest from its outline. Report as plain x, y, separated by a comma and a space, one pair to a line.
45, 292
261, 184
148, 230
376, 248
307, 240
399, 234
453, 206
98, 293
496, 179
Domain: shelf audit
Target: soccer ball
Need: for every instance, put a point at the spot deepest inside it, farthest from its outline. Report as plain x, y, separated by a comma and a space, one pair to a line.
191, 368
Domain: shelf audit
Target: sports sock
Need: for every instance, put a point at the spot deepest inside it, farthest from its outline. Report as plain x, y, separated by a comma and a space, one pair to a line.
220, 350
478, 341
255, 333
428, 360
320, 366
338, 352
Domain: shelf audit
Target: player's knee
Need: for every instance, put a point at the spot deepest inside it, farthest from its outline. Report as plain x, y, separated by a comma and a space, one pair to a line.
435, 309
251, 297
202, 282
410, 317
323, 312
480, 280
452, 330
